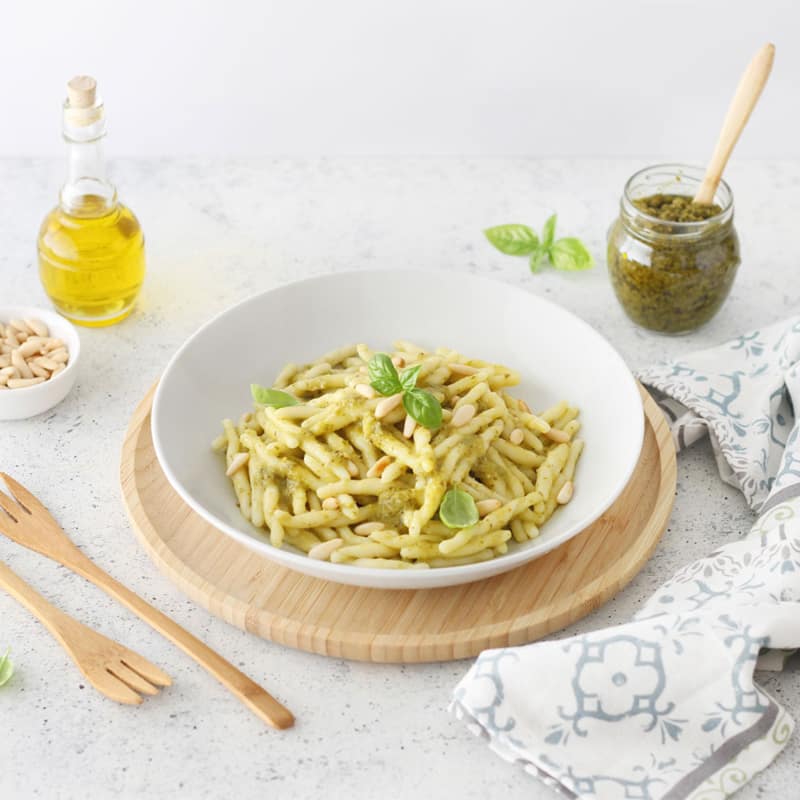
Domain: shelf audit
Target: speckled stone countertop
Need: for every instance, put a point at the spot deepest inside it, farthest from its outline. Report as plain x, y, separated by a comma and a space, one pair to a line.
218, 232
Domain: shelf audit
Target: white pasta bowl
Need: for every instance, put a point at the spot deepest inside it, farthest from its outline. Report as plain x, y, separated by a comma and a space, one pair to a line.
557, 355
33, 400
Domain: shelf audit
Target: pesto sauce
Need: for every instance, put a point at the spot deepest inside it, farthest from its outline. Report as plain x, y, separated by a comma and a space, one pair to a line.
676, 208
670, 282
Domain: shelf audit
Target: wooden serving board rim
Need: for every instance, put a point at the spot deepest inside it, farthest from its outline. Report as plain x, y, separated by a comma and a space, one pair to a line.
330, 640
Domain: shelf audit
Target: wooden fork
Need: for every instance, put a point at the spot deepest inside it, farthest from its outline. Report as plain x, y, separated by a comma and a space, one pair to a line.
28, 522
112, 669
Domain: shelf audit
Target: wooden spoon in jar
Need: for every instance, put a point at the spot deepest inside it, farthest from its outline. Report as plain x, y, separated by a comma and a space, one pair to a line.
747, 93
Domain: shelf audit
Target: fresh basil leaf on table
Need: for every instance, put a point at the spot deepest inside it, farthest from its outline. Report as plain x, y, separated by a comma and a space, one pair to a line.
513, 240
549, 232
6, 668
570, 255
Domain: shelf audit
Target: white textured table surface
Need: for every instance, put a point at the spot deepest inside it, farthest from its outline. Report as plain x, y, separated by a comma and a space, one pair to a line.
216, 233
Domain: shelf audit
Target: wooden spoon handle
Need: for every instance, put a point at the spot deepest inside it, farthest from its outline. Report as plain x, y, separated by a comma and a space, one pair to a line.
257, 699
745, 99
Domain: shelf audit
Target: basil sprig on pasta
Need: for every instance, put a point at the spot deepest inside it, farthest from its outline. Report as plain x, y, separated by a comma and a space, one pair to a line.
458, 509
274, 398
419, 404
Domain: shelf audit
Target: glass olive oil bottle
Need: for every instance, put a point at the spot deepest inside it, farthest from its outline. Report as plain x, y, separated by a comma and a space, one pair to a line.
91, 247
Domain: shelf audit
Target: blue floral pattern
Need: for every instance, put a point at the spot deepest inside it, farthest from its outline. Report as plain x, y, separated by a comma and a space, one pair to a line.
666, 706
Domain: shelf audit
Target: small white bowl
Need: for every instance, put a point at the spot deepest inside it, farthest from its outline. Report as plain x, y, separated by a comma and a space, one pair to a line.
33, 400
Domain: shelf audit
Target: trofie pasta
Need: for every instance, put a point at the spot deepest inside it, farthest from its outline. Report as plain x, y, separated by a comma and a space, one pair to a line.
405, 460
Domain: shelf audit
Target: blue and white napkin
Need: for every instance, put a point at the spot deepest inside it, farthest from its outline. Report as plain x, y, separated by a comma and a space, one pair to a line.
665, 706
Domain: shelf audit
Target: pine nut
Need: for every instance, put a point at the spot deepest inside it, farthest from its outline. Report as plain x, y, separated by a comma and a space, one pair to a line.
31, 346
388, 404
462, 415
53, 344
487, 506
462, 369
365, 390
237, 462
19, 362
409, 426
378, 467
366, 528
398, 361
323, 550
330, 504
47, 363
28, 354
59, 355
556, 435
565, 495
516, 436
21, 383
38, 327
39, 372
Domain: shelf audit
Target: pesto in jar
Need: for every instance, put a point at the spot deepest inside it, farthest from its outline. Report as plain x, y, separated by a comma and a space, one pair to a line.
675, 208
671, 261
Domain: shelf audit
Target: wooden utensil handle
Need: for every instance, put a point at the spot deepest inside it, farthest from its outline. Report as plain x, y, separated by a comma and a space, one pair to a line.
744, 100
248, 691
51, 617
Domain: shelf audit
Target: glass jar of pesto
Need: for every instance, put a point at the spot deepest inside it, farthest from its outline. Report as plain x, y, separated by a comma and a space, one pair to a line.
672, 262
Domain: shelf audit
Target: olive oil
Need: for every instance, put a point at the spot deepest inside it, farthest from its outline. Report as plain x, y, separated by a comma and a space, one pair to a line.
91, 247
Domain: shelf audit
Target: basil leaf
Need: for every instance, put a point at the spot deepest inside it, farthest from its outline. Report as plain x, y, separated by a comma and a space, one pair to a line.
6, 668
458, 509
274, 398
513, 240
408, 377
549, 232
570, 254
383, 376
537, 256
423, 407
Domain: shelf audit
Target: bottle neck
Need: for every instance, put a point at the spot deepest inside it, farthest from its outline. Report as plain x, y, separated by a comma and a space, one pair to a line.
87, 191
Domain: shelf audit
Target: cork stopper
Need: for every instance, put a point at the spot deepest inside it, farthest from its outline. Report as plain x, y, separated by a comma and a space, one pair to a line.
82, 91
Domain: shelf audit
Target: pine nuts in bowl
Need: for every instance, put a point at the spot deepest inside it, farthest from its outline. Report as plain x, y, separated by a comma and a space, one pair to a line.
39, 353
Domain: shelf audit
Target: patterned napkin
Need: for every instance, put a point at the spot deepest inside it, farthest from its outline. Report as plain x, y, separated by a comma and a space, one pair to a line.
665, 706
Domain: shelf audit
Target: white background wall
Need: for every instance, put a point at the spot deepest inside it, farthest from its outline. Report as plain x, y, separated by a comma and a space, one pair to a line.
562, 77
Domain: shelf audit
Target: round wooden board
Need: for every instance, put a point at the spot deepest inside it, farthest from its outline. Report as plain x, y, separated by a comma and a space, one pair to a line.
517, 607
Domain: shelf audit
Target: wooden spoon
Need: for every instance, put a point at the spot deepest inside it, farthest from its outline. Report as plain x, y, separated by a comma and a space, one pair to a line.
747, 93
